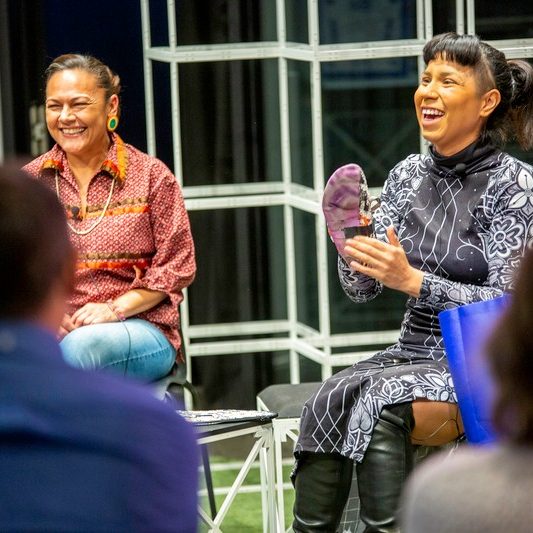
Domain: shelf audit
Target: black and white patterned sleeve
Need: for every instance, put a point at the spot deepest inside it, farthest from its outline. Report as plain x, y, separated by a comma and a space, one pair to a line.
358, 287
510, 233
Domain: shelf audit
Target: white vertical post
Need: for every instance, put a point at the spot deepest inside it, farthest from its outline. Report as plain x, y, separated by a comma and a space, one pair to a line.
318, 182
148, 81
420, 26
471, 17
174, 94
288, 219
460, 16
178, 172
428, 19
421, 33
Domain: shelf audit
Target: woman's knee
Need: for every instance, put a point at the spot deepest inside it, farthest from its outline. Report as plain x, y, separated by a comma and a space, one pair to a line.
134, 348
147, 365
73, 348
86, 347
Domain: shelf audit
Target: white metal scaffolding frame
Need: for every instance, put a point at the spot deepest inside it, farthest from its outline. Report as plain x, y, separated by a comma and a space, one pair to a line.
297, 338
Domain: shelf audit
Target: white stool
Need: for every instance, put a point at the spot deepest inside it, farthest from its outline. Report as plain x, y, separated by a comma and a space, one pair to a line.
287, 400
225, 424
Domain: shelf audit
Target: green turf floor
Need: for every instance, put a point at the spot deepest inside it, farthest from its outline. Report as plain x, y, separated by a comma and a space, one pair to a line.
245, 514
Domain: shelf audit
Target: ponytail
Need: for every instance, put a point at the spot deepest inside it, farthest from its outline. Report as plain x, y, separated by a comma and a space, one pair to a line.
521, 105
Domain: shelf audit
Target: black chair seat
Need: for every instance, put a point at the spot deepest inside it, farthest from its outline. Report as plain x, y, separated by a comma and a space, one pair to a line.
288, 399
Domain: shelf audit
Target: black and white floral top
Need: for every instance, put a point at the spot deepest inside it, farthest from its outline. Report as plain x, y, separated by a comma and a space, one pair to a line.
465, 221
465, 225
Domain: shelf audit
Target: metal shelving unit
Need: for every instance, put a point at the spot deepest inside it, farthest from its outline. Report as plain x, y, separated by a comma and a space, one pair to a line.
297, 338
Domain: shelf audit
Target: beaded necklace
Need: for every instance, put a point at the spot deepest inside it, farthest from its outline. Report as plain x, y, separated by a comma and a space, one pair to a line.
116, 173
98, 220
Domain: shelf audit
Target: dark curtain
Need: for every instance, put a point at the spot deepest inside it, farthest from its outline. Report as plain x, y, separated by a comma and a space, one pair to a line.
21, 67
110, 31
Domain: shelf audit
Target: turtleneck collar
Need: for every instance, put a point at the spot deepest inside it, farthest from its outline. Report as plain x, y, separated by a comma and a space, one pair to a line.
468, 159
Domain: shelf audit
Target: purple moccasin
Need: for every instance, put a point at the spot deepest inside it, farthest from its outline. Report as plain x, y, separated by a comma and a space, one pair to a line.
346, 205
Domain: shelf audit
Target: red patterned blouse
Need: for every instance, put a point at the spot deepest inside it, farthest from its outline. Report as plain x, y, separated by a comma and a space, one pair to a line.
143, 239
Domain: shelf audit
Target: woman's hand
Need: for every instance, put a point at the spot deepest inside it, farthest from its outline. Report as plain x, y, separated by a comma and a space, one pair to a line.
385, 262
126, 305
67, 325
93, 313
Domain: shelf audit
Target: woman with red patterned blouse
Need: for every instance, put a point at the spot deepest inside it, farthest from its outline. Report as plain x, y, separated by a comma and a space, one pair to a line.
127, 221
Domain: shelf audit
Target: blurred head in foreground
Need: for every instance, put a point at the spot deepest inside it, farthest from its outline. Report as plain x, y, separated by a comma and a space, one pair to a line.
36, 257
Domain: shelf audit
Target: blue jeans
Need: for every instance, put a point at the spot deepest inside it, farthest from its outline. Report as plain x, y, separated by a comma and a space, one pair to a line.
134, 348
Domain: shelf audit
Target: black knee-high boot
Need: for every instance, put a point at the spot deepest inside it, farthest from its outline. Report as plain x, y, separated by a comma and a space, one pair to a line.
385, 467
322, 485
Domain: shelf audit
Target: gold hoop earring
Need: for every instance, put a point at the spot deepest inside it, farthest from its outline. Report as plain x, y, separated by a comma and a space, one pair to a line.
112, 123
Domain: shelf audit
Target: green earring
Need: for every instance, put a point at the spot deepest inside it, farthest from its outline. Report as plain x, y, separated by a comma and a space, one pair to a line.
112, 123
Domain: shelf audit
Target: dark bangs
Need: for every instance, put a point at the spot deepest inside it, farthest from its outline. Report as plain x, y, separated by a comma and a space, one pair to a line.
462, 49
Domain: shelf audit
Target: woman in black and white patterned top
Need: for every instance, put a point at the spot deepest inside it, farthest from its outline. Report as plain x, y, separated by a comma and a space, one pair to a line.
451, 229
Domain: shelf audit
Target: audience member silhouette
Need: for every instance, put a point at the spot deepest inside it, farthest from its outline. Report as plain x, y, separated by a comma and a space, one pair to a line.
79, 451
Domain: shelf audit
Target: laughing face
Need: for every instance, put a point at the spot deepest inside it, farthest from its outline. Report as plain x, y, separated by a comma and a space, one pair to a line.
77, 112
450, 107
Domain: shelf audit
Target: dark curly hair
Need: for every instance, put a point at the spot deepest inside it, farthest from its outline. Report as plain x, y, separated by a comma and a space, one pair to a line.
513, 117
